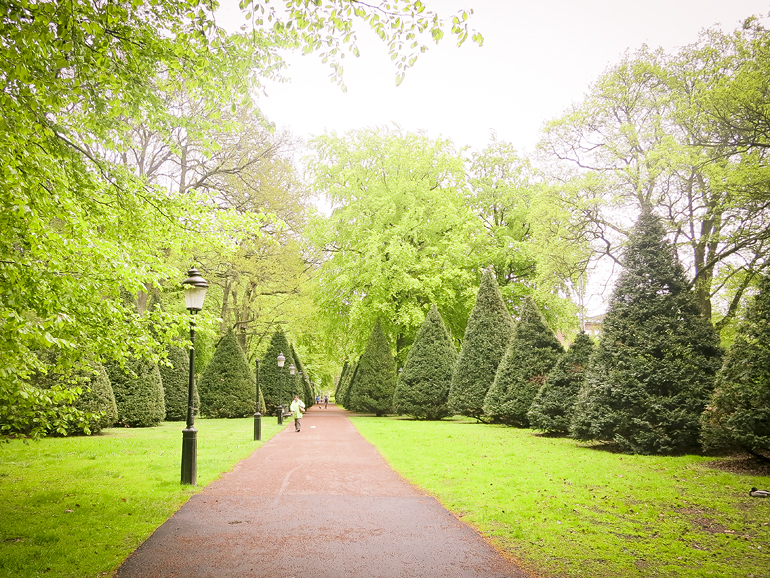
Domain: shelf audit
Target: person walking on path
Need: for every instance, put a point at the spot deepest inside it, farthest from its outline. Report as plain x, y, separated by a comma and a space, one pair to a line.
326, 401
297, 409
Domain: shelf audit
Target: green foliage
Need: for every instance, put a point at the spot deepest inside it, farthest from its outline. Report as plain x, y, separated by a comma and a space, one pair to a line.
97, 93
275, 383
530, 356
138, 392
401, 237
176, 384
739, 411
487, 334
62, 400
227, 388
423, 385
97, 399
374, 381
653, 370
552, 408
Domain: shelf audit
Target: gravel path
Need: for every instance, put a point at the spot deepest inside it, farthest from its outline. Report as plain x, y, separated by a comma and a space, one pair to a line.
319, 503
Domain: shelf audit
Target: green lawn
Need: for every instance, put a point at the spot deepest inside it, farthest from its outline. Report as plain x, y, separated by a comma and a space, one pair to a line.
76, 507
564, 509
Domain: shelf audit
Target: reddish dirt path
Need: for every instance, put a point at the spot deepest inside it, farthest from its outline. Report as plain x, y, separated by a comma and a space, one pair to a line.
321, 503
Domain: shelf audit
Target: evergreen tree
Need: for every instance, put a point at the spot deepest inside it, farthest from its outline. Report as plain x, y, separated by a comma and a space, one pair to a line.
551, 411
489, 329
97, 399
302, 386
738, 415
227, 388
276, 384
138, 392
350, 380
529, 357
375, 379
176, 384
423, 386
343, 375
653, 369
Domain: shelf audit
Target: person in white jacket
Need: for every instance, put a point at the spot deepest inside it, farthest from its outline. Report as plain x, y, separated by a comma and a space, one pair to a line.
297, 409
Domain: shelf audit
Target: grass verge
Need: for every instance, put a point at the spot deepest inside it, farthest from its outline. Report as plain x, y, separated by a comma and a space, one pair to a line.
76, 507
566, 509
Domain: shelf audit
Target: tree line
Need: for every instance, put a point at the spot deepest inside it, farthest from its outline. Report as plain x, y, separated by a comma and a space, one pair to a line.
656, 382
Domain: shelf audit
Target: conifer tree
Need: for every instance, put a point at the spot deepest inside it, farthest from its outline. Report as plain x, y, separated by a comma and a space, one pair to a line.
375, 378
738, 415
97, 399
423, 386
176, 384
227, 389
529, 357
343, 375
489, 329
653, 369
551, 411
350, 380
276, 385
138, 392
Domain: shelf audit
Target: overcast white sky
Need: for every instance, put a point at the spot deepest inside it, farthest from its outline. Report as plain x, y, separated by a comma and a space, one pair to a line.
538, 57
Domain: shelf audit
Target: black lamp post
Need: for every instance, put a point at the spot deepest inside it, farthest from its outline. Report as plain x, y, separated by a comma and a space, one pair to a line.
194, 293
281, 361
257, 415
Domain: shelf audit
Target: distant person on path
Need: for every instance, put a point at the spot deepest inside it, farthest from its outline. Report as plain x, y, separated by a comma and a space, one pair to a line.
318, 399
297, 409
326, 401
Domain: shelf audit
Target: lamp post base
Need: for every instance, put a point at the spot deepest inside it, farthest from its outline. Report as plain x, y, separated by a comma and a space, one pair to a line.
257, 427
190, 456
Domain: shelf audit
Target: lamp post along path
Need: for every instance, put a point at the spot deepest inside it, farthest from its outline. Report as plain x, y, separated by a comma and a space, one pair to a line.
257, 414
194, 293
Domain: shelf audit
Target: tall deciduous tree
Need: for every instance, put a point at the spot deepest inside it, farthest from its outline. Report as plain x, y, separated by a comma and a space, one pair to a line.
423, 386
487, 334
399, 237
552, 408
374, 381
738, 414
653, 370
531, 354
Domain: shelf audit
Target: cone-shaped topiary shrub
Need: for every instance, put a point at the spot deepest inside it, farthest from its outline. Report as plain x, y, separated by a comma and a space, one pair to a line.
97, 399
371, 390
227, 388
487, 334
529, 358
343, 376
738, 415
138, 392
653, 369
423, 386
302, 384
345, 401
276, 384
551, 411
176, 384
